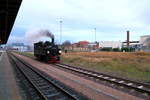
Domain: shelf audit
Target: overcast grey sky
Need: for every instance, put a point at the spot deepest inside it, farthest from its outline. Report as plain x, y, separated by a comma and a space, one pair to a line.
111, 18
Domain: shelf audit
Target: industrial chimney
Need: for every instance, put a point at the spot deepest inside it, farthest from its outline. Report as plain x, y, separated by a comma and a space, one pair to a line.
128, 41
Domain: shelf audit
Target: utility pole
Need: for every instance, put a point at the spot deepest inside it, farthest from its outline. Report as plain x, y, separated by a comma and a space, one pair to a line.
60, 30
95, 34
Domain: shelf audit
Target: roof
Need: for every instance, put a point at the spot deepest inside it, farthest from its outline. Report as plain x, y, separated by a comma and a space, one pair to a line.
145, 36
83, 42
132, 42
8, 13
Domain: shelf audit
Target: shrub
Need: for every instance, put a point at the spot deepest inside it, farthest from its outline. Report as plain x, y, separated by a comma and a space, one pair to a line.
106, 49
128, 49
116, 49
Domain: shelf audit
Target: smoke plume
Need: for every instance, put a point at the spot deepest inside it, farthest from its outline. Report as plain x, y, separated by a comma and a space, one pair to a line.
36, 35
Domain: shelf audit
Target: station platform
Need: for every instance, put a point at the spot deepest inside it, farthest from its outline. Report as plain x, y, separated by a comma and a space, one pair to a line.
8, 86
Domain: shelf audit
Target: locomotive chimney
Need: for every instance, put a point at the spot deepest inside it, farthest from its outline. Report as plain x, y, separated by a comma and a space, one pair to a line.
53, 40
128, 41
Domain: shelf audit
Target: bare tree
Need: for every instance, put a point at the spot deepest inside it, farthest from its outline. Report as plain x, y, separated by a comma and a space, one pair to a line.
66, 43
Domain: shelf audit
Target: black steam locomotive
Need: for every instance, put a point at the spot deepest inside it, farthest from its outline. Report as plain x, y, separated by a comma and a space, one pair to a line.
47, 51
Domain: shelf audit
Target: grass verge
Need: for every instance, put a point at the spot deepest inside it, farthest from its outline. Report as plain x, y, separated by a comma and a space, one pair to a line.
134, 65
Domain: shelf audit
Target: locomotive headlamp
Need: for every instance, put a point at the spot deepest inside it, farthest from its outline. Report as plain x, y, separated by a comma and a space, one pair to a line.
60, 51
48, 52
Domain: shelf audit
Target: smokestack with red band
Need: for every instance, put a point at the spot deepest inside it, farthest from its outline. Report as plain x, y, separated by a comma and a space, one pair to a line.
128, 41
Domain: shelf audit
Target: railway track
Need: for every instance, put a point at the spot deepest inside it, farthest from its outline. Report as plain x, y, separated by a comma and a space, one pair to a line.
46, 87
137, 86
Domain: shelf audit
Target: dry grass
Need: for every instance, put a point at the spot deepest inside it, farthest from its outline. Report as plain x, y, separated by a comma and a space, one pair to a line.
134, 65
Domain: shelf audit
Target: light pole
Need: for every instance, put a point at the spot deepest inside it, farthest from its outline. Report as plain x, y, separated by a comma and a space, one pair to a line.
95, 34
60, 30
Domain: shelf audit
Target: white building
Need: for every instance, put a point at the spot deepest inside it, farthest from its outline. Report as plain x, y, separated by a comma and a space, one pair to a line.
110, 44
145, 42
131, 44
19, 46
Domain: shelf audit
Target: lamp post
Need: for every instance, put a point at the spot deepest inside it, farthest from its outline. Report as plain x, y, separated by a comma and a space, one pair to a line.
95, 34
60, 30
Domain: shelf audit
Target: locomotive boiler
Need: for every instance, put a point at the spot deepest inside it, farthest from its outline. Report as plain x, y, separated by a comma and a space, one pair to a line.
47, 51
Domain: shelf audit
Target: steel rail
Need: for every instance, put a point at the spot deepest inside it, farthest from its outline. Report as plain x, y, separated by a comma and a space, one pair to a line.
41, 83
17, 66
138, 86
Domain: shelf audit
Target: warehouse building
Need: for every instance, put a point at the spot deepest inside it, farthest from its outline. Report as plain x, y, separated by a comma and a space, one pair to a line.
19, 47
110, 44
145, 43
131, 43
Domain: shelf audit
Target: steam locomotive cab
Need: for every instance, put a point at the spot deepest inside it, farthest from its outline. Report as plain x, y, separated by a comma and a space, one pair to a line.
47, 51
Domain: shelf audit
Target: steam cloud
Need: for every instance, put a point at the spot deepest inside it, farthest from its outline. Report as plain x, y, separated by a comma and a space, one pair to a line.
36, 35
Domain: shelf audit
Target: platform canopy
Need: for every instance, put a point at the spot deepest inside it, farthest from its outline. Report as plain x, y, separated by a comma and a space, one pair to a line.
8, 13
